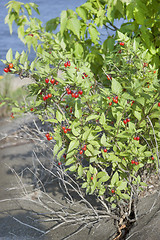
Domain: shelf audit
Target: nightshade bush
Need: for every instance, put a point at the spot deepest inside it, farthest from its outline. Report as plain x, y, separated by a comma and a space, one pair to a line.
101, 99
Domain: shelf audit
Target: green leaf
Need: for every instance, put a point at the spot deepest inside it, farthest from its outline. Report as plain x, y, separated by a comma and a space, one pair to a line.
122, 185
69, 161
78, 111
63, 21
91, 117
115, 178
137, 115
141, 100
9, 56
102, 119
73, 168
52, 24
103, 140
93, 34
125, 196
78, 50
139, 15
73, 24
82, 13
73, 144
59, 116
52, 120
84, 185
116, 87
80, 171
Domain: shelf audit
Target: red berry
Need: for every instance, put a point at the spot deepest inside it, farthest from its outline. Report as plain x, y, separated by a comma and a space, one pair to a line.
145, 64
125, 121
152, 158
108, 98
67, 106
47, 135
159, 104
154, 71
83, 77
65, 130
136, 163
81, 151
112, 191
80, 92
137, 138
110, 103
68, 64
47, 80
105, 150
57, 82
68, 129
84, 148
64, 155
65, 64
128, 119
91, 178
76, 95
11, 65
70, 110
116, 100
109, 77
52, 80
69, 91
49, 138
73, 95
6, 70
59, 163
44, 98
49, 95
133, 162
31, 109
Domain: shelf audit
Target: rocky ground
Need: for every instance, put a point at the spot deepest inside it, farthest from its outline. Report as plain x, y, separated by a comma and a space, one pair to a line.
32, 203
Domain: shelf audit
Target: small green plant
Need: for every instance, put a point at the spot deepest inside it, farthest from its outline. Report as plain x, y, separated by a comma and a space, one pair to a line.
104, 109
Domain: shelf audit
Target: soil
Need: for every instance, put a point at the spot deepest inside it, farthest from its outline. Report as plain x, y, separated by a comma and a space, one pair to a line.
29, 197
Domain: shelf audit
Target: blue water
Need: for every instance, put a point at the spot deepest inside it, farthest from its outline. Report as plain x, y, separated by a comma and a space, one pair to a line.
48, 9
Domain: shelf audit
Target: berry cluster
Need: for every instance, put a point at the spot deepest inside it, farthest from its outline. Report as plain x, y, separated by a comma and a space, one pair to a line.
8, 69
48, 137
67, 64
134, 162
126, 120
74, 94
115, 99
136, 138
121, 43
65, 130
47, 96
52, 81
85, 75
12, 115
84, 148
